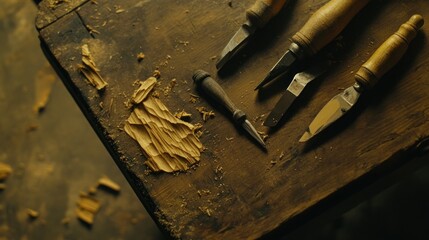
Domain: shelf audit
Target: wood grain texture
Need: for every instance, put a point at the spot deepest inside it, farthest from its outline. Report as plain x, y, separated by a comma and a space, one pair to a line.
326, 23
389, 53
238, 191
262, 11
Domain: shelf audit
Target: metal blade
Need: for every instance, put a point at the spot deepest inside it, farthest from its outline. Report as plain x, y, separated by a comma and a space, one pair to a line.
281, 67
253, 132
279, 110
239, 39
300, 80
332, 111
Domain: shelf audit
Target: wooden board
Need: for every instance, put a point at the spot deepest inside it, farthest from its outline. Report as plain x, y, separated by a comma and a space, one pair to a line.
238, 191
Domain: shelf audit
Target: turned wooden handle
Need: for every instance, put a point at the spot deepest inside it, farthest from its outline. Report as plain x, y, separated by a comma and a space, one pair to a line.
326, 23
389, 53
263, 10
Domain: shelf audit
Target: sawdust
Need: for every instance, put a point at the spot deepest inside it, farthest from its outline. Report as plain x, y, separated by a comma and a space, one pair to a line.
90, 70
168, 142
45, 78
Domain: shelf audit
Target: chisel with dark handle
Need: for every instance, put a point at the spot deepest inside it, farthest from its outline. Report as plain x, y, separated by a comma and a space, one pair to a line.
203, 80
381, 61
322, 27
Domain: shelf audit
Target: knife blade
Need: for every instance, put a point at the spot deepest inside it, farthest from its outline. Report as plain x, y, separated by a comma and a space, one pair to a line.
300, 80
382, 60
257, 17
322, 27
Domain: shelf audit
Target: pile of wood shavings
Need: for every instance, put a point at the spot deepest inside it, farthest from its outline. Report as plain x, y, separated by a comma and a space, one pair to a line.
169, 143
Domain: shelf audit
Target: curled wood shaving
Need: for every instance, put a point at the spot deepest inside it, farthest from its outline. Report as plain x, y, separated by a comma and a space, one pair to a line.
89, 69
206, 114
182, 115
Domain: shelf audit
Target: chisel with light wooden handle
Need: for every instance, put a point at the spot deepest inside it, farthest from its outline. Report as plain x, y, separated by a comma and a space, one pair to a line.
322, 27
383, 59
258, 15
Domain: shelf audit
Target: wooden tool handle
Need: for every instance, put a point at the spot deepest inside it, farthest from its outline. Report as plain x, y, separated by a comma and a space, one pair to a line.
326, 23
263, 10
389, 53
203, 80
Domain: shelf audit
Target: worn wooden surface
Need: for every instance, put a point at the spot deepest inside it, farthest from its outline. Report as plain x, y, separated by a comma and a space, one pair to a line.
238, 191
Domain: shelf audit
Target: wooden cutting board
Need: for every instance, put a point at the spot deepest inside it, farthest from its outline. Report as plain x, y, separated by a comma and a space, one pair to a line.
237, 190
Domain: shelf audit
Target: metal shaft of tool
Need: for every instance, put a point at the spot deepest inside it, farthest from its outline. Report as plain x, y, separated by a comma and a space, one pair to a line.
215, 91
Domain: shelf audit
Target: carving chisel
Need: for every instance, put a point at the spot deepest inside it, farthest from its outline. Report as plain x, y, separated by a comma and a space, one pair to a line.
299, 81
322, 27
257, 16
203, 80
382, 60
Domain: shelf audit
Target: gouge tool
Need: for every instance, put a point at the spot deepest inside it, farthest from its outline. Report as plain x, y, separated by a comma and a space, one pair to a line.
203, 80
383, 59
257, 17
322, 27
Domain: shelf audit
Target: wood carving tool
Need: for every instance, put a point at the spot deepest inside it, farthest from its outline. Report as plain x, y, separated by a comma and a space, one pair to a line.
257, 16
322, 27
299, 81
203, 80
382, 60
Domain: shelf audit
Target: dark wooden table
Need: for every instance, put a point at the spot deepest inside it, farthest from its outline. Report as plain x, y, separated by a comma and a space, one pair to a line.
238, 191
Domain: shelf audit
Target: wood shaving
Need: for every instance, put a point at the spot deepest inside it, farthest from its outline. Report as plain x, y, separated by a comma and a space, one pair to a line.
182, 115
168, 142
5, 171
109, 184
143, 91
33, 214
85, 216
120, 11
206, 115
140, 56
53, 4
91, 30
193, 98
156, 74
88, 203
44, 82
89, 69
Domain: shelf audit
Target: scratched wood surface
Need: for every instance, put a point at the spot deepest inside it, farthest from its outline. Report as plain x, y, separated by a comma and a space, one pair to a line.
238, 191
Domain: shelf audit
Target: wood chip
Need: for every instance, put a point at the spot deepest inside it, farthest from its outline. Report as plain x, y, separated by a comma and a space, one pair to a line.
206, 115
182, 115
5, 171
33, 214
89, 69
45, 78
140, 56
85, 216
88, 203
156, 74
109, 184
143, 91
